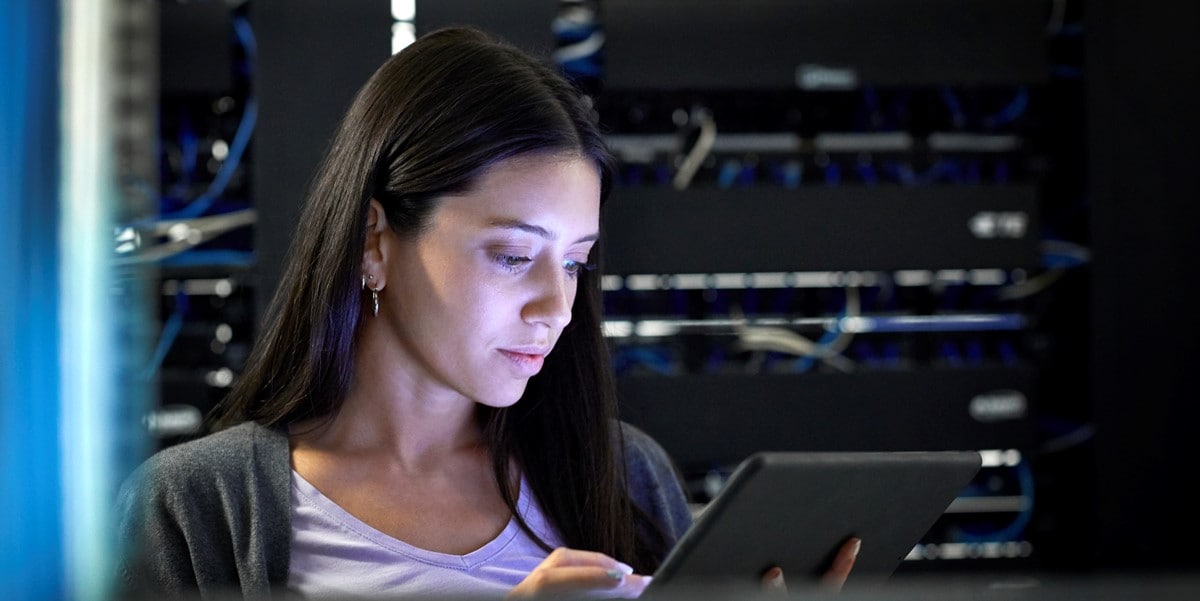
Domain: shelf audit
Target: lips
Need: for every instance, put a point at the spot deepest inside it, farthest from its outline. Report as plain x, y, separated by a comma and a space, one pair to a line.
529, 349
525, 361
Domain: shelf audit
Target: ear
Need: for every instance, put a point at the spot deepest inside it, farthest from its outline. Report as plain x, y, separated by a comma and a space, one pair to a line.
375, 253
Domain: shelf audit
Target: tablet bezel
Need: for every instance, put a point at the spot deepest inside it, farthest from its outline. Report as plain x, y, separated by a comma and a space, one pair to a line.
794, 509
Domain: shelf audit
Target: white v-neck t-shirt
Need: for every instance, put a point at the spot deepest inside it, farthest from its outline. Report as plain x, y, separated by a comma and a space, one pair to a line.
335, 555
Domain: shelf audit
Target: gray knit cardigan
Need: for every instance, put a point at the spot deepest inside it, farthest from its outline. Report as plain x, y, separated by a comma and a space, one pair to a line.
211, 518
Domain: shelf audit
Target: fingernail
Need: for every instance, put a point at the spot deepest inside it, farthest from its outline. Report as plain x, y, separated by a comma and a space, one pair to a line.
625, 568
775, 578
857, 546
616, 574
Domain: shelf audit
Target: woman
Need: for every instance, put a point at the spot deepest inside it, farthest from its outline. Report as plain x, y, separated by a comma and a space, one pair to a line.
445, 249
402, 426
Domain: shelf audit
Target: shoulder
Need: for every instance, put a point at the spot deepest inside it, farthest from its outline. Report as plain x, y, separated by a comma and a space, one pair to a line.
232, 458
642, 452
211, 512
647, 464
654, 480
234, 449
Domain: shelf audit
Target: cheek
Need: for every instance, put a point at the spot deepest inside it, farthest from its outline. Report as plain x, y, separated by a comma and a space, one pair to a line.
444, 304
573, 298
574, 294
477, 303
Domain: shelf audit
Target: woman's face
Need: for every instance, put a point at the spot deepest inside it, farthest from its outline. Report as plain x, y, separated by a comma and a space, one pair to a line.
479, 298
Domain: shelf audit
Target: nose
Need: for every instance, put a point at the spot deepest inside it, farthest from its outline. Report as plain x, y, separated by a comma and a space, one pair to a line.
552, 297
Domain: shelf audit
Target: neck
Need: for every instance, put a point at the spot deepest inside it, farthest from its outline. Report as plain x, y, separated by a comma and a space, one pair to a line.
388, 413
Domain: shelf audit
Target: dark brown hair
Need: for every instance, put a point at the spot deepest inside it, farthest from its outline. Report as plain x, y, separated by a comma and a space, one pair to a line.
430, 122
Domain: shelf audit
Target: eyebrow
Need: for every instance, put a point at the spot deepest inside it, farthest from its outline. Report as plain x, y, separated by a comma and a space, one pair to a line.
537, 230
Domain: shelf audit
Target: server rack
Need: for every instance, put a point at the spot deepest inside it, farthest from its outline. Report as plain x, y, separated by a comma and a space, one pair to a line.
838, 227
925, 176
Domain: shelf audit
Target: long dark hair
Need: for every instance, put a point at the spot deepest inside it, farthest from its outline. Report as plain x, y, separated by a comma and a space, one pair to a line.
430, 122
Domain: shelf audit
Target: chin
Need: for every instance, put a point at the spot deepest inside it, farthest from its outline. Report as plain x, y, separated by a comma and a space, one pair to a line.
500, 397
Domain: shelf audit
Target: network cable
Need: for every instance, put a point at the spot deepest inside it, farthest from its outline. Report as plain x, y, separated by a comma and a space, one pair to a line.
241, 138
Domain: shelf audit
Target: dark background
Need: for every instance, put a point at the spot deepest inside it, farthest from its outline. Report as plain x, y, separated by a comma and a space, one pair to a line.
1116, 339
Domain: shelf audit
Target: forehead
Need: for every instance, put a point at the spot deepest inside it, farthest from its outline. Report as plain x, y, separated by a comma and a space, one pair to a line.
557, 192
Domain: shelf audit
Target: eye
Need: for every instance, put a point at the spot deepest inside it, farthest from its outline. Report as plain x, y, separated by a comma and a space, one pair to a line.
511, 262
574, 267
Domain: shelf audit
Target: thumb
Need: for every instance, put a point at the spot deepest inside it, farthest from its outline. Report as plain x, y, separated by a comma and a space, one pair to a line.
773, 581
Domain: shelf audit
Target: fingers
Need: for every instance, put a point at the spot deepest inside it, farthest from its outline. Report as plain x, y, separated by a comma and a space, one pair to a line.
843, 563
604, 583
567, 571
773, 581
563, 557
630, 588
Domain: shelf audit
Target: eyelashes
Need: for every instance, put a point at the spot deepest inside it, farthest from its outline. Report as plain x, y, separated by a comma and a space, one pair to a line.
512, 263
517, 264
575, 267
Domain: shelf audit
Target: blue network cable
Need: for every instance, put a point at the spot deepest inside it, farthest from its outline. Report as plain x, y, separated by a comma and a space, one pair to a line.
803, 364
207, 257
657, 359
1014, 528
950, 99
166, 338
189, 149
1013, 110
241, 138
579, 39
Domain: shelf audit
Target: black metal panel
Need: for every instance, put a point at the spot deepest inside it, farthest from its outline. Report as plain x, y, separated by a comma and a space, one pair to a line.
197, 42
1145, 330
743, 44
524, 23
313, 55
661, 230
708, 420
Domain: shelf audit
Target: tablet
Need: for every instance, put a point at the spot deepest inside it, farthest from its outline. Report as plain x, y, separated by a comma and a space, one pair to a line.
794, 509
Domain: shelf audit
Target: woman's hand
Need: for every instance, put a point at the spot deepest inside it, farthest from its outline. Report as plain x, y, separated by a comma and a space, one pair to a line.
832, 580
569, 571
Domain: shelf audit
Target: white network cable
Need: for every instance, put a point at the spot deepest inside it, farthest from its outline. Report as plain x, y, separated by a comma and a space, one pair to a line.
700, 150
783, 340
181, 235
